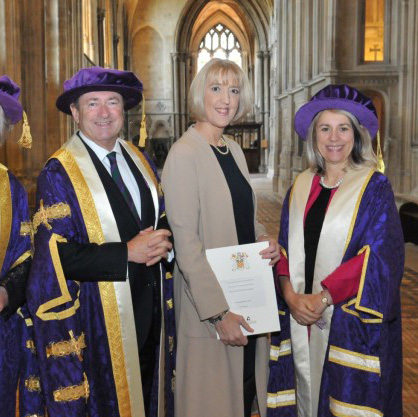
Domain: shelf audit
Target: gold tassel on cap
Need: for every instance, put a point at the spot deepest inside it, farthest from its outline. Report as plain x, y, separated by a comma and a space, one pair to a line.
25, 140
379, 154
143, 129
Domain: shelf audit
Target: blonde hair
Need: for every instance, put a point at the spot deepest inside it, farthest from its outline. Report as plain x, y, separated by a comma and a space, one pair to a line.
219, 70
361, 155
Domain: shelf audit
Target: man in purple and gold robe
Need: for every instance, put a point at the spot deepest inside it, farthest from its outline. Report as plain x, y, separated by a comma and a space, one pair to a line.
99, 291
18, 365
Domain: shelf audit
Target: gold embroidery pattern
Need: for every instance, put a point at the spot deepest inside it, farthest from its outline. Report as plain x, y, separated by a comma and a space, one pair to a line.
73, 346
107, 290
160, 190
31, 345
169, 304
33, 384
5, 212
48, 213
168, 275
26, 229
73, 392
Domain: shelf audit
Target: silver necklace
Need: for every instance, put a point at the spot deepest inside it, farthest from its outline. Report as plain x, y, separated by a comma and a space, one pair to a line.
331, 187
223, 141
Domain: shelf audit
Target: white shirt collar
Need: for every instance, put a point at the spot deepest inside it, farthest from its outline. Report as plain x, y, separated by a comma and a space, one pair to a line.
98, 150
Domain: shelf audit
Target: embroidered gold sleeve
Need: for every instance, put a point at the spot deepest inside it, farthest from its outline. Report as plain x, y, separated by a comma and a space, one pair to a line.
48, 213
73, 392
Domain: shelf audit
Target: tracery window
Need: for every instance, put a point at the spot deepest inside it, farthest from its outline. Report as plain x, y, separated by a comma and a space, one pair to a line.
374, 30
219, 42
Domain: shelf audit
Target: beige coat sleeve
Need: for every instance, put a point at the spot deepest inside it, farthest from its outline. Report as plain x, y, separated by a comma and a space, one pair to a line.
181, 191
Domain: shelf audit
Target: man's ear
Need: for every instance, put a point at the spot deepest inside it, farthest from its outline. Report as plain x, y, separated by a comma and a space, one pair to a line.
75, 112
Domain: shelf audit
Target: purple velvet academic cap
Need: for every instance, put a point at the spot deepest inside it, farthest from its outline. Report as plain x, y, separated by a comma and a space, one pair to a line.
342, 97
9, 94
101, 79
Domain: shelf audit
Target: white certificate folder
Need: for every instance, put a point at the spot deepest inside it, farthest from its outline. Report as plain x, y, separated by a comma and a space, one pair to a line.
248, 284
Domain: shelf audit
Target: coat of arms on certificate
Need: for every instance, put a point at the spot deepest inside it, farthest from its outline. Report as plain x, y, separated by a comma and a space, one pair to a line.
239, 261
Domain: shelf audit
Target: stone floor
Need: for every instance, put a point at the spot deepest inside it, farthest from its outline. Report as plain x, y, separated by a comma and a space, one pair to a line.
269, 213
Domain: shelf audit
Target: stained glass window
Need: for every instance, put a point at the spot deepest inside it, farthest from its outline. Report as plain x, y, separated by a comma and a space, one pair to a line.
374, 30
219, 42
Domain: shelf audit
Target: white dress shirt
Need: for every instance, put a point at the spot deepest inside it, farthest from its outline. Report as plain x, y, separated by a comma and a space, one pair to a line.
127, 176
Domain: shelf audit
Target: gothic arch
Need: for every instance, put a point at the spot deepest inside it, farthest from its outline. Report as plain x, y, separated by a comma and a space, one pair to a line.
224, 19
148, 42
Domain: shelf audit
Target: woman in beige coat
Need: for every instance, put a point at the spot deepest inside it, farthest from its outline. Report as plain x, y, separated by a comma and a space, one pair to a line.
210, 204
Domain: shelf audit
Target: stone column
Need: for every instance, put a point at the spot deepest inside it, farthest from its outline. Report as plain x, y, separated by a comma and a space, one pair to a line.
266, 112
176, 94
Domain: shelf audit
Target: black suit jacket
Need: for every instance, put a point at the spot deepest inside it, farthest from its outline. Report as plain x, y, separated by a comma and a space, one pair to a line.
108, 262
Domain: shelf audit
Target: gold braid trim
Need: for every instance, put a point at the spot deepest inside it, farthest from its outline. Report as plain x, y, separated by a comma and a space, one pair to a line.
5, 212
43, 311
26, 229
73, 346
33, 384
169, 304
30, 345
45, 214
73, 392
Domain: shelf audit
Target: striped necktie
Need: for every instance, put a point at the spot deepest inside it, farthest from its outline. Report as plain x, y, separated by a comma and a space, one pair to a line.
117, 177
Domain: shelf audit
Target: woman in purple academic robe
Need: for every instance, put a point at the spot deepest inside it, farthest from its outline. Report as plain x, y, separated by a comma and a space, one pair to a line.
339, 352
18, 366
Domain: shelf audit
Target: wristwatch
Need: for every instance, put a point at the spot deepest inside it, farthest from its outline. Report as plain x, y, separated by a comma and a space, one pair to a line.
324, 299
219, 317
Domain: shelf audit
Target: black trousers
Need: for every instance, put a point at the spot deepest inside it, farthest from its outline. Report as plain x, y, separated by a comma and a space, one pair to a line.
249, 375
147, 357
